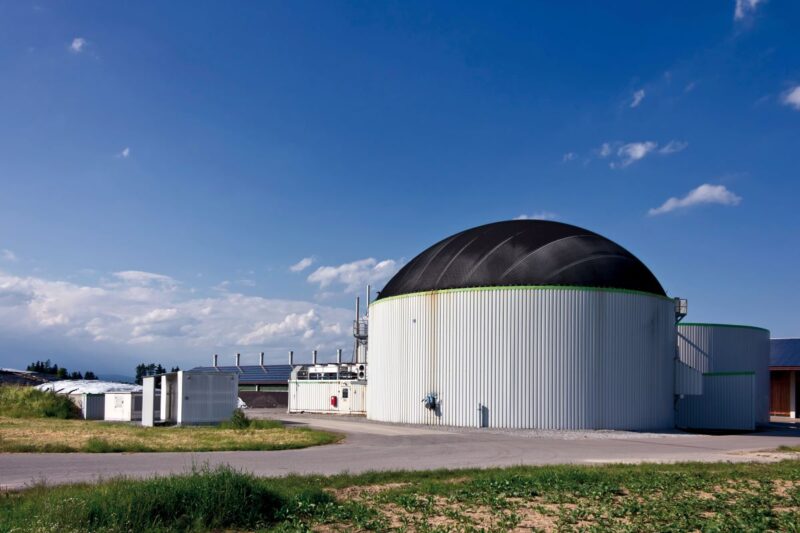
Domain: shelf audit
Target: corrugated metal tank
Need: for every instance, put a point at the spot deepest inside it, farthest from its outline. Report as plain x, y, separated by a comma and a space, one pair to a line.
524, 357
723, 348
727, 402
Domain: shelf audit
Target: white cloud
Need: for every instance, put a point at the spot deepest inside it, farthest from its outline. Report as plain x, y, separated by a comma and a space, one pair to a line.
745, 8
673, 147
792, 98
8, 255
569, 156
303, 264
632, 152
637, 98
541, 215
356, 275
78, 44
292, 324
142, 308
124, 153
138, 277
704, 194
629, 153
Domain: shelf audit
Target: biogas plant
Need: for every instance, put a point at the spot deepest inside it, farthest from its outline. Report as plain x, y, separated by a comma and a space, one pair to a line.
540, 325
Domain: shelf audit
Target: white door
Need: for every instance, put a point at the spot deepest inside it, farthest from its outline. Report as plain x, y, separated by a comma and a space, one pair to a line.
344, 399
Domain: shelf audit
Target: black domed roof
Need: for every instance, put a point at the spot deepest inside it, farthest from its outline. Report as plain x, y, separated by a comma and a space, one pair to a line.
523, 252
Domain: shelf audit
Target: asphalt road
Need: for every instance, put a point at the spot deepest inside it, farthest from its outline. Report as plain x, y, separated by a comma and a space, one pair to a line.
373, 446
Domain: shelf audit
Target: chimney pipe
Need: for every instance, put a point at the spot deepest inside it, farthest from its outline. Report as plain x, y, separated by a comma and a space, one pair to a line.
314, 356
261, 359
338, 356
238, 357
214, 360
291, 358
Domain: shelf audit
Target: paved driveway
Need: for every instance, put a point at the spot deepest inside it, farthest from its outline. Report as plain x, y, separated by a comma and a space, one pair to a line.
374, 446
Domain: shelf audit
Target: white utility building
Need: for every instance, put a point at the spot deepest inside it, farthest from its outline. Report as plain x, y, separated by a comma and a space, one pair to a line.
331, 388
190, 397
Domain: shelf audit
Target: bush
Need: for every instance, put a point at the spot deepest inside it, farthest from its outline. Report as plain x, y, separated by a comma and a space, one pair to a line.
239, 420
206, 499
28, 402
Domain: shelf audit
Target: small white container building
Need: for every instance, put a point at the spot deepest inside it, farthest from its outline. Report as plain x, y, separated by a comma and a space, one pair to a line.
332, 388
190, 397
90, 395
123, 406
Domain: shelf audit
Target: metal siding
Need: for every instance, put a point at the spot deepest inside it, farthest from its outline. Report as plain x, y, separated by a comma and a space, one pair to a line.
207, 397
718, 348
314, 396
93, 406
535, 358
727, 402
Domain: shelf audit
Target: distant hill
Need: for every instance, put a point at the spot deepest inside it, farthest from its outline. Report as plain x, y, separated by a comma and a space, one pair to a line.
116, 377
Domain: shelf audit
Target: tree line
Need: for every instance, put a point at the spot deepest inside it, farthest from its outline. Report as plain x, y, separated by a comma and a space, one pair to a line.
52, 369
151, 369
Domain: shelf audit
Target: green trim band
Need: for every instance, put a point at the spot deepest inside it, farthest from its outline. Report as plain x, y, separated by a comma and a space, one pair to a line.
523, 287
716, 374
709, 324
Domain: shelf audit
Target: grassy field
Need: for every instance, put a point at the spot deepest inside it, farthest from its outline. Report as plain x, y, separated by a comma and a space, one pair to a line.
37, 421
684, 497
55, 435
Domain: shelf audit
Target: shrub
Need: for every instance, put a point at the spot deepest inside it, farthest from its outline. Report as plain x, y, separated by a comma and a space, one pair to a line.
29, 402
206, 499
239, 420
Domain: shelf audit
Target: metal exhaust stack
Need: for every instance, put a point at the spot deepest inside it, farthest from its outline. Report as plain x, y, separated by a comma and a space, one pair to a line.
291, 358
238, 358
261, 358
314, 356
338, 356
214, 360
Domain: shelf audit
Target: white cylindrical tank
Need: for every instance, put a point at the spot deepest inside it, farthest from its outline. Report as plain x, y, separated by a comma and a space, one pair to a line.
719, 349
524, 357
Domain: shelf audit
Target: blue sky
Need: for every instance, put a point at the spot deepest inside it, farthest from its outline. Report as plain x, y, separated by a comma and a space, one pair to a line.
164, 165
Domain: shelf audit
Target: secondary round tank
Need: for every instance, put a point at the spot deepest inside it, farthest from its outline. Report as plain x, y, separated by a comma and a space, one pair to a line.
523, 324
728, 350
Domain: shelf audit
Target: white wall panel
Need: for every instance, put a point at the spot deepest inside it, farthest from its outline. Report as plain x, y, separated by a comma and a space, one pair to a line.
534, 357
119, 406
715, 348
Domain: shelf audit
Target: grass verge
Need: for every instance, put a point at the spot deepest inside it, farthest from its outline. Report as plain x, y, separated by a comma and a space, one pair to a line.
682, 497
54, 435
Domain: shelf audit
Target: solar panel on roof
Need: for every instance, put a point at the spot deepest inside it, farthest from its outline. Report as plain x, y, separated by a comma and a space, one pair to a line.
254, 374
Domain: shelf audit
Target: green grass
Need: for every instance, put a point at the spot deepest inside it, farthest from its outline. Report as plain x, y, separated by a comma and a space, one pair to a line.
682, 497
28, 402
47, 435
